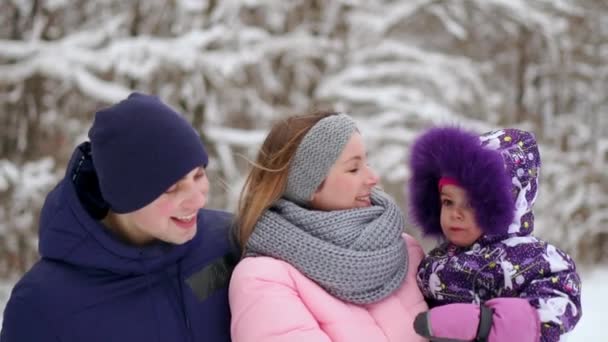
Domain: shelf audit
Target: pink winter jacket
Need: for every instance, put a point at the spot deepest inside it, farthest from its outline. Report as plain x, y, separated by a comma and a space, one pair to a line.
272, 301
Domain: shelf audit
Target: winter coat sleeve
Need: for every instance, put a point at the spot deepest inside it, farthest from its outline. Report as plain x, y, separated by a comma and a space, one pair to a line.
555, 293
266, 307
23, 322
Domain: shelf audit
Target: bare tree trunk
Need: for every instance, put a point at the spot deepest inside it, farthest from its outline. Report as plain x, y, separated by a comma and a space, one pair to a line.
521, 66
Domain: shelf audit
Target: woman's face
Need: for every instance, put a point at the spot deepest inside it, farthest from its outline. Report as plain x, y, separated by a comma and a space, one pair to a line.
171, 217
349, 182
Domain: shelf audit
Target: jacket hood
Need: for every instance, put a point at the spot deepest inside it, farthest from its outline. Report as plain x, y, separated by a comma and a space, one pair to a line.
498, 170
70, 230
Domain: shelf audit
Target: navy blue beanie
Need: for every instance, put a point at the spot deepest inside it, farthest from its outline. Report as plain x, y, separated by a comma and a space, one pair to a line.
140, 148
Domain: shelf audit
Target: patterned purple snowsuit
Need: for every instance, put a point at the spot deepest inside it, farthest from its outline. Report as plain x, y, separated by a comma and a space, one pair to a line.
499, 171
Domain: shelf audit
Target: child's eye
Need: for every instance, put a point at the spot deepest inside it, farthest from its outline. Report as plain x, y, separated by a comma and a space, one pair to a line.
353, 170
446, 202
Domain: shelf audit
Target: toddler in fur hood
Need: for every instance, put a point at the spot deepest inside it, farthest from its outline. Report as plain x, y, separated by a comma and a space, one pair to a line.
491, 279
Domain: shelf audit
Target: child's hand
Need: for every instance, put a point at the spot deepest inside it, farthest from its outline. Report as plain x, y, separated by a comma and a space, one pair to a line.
505, 319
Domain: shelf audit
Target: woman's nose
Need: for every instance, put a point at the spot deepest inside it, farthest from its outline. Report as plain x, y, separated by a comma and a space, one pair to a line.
372, 177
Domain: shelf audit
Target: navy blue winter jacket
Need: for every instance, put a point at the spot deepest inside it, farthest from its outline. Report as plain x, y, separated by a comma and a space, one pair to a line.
90, 286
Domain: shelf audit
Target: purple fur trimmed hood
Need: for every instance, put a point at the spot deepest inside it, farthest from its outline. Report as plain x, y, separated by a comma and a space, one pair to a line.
499, 171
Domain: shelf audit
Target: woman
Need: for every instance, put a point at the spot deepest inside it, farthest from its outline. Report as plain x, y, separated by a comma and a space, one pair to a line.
325, 257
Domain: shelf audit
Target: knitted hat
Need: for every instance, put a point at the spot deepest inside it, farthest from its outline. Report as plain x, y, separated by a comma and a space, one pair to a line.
140, 148
316, 154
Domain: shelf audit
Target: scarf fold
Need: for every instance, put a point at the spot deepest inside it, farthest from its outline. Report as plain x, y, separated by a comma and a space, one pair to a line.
357, 255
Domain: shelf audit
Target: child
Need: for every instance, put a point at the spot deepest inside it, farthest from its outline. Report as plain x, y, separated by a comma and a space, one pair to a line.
477, 194
127, 252
325, 254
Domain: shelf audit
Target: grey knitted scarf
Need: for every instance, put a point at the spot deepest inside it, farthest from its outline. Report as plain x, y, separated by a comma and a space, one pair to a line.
357, 255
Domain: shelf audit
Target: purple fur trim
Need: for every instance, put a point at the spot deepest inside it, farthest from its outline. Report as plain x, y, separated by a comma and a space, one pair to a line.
456, 153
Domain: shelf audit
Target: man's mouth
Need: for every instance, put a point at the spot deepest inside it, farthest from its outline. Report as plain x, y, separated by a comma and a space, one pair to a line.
185, 221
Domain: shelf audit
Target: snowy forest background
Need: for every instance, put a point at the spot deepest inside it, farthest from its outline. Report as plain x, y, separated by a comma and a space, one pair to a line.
234, 66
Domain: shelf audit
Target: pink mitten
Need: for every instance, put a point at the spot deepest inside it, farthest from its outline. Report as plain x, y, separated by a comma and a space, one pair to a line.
455, 321
512, 319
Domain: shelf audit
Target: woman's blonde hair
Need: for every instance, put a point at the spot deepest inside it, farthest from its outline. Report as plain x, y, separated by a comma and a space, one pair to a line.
267, 179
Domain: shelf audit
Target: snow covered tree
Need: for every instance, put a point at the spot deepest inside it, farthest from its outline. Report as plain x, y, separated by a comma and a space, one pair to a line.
234, 66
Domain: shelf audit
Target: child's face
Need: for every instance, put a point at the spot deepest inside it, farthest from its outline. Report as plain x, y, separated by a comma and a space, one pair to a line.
172, 216
349, 182
458, 217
